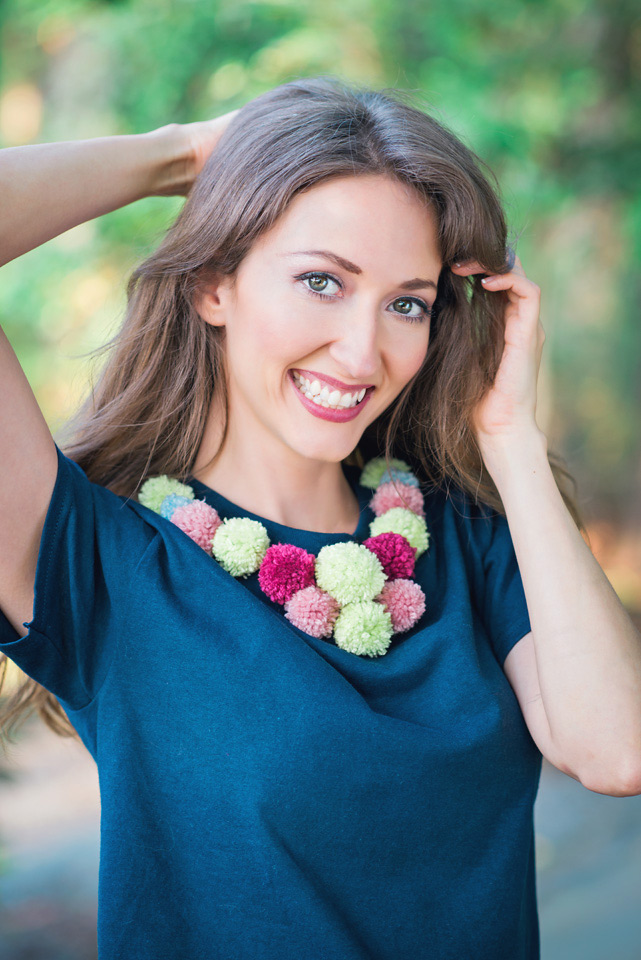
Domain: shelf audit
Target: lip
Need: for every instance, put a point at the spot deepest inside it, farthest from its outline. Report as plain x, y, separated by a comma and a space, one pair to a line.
343, 387
326, 413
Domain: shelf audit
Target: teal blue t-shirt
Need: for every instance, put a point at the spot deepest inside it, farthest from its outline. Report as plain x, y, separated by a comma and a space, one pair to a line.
266, 795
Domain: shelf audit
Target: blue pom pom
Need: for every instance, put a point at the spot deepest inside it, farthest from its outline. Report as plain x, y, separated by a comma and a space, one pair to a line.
399, 476
171, 502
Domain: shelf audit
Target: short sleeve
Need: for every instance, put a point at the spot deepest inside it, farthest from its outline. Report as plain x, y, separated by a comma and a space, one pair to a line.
505, 612
91, 543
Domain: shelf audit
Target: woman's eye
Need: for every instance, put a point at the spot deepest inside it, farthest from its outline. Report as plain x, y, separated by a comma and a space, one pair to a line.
318, 282
408, 302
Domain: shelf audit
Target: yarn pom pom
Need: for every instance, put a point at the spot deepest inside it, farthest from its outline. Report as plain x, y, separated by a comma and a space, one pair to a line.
408, 524
155, 489
396, 555
240, 545
313, 611
170, 503
388, 496
364, 627
405, 602
285, 570
348, 571
404, 477
199, 521
374, 469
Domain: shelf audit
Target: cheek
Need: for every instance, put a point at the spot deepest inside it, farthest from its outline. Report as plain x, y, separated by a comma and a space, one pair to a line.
274, 338
281, 336
260, 332
410, 360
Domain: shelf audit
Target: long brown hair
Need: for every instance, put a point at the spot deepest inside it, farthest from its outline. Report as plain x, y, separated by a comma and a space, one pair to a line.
147, 412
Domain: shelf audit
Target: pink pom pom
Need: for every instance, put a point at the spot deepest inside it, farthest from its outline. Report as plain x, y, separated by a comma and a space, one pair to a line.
395, 553
313, 611
285, 570
199, 521
408, 497
404, 601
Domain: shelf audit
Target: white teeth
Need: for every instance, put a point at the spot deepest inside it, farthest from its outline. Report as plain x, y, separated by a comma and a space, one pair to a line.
325, 397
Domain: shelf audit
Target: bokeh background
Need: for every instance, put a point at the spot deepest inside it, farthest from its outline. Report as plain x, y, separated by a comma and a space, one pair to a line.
548, 93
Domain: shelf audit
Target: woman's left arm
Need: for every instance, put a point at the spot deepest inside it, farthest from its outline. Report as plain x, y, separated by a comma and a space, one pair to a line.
588, 651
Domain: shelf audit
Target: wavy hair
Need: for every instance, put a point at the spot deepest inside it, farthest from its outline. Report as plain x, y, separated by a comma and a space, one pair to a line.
147, 412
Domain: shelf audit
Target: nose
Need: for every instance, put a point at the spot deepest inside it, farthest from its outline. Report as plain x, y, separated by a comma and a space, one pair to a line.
357, 352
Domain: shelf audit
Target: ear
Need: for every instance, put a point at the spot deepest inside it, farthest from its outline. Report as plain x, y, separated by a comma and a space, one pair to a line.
213, 299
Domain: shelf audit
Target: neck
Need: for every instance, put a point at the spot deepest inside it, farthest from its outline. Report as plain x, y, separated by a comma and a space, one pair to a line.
275, 482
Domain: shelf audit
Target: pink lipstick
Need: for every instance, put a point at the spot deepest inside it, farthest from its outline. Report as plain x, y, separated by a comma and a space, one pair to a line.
329, 413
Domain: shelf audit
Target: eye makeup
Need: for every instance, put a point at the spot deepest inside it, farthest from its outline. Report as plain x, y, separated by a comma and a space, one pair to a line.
427, 311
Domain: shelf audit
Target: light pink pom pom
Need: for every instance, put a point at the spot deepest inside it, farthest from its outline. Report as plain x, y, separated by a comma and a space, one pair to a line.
199, 521
313, 611
405, 602
408, 497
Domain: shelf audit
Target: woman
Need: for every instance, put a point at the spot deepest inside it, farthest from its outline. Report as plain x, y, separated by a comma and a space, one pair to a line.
270, 788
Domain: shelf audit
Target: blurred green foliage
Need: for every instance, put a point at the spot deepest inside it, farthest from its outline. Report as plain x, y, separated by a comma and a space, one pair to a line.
547, 92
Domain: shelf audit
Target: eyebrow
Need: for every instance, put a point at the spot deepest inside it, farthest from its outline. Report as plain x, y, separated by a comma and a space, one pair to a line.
416, 284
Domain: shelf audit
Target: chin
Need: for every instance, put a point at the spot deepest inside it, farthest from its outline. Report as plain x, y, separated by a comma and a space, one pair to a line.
324, 452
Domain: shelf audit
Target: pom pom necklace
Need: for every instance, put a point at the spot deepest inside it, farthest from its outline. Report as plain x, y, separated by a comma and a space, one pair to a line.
359, 593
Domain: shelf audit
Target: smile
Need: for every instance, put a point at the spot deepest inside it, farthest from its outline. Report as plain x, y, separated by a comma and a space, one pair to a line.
327, 403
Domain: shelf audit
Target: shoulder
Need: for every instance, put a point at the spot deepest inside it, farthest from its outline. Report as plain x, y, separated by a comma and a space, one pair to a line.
89, 515
473, 523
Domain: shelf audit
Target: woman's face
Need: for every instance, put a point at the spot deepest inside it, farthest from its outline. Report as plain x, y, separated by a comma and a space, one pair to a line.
339, 289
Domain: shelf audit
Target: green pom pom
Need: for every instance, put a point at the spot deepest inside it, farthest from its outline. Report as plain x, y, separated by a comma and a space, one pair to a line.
374, 470
349, 571
405, 522
155, 489
364, 627
239, 545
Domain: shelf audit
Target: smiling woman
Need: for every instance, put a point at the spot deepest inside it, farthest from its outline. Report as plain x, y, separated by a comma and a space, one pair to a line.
267, 792
366, 333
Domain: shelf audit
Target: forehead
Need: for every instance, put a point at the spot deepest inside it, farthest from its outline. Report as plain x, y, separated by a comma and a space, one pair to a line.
368, 217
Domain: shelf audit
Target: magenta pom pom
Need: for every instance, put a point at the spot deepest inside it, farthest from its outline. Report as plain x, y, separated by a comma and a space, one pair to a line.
404, 601
199, 521
386, 497
395, 553
313, 611
285, 570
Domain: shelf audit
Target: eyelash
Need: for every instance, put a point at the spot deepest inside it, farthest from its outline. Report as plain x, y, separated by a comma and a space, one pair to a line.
427, 311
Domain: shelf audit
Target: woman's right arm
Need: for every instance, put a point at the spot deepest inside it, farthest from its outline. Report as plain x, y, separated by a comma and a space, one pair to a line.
46, 189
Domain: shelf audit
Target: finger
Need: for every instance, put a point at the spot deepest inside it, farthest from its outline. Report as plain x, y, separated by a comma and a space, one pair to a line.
520, 284
468, 271
467, 268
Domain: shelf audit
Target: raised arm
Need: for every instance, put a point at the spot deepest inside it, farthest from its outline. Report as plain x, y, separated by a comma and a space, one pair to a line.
46, 189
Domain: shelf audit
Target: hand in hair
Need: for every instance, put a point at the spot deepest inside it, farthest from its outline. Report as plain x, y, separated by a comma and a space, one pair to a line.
194, 142
506, 413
